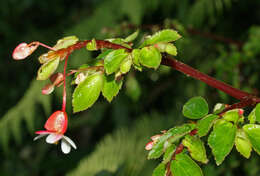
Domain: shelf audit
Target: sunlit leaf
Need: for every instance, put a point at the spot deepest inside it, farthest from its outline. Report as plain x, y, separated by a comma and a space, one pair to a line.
126, 64
242, 143
222, 139
160, 170
131, 37
253, 133
92, 45
171, 135
111, 87
196, 148
166, 35
87, 92
66, 42
47, 69
150, 57
205, 124
168, 153
183, 165
113, 60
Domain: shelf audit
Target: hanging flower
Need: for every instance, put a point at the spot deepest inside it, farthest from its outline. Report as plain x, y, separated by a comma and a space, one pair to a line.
55, 127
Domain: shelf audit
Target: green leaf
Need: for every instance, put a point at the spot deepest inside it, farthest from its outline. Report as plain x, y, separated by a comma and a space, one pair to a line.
126, 64
160, 170
92, 45
196, 148
168, 153
204, 124
66, 42
167, 35
183, 165
131, 37
113, 60
232, 115
251, 117
136, 59
254, 116
87, 92
222, 139
111, 87
150, 57
195, 108
253, 133
104, 53
243, 144
47, 69
173, 135
171, 49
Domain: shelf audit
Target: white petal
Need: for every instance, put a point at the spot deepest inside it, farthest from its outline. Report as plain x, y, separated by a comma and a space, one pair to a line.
52, 138
65, 146
39, 136
70, 142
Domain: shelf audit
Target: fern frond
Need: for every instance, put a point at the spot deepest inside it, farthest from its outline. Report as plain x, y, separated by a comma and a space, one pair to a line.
122, 153
207, 10
24, 111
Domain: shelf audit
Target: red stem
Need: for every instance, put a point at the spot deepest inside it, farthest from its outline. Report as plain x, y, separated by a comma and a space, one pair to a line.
189, 71
64, 85
168, 61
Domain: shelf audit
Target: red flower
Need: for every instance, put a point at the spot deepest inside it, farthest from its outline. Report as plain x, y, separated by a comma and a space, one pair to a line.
55, 127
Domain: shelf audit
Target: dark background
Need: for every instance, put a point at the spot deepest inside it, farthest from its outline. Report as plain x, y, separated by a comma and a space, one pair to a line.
111, 136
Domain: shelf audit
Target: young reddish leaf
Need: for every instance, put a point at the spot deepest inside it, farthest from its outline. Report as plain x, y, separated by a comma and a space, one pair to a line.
111, 87
205, 124
195, 108
243, 144
253, 133
87, 92
57, 79
196, 148
150, 57
160, 170
222, 139
47, 89
183, 165
113, 60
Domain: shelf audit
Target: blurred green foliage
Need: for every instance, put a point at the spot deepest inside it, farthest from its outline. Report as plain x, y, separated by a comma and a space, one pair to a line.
111, 136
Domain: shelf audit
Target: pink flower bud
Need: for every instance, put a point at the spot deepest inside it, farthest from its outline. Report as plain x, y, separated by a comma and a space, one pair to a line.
149, 145
57, 79
240, 112
23, 50
47, 89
